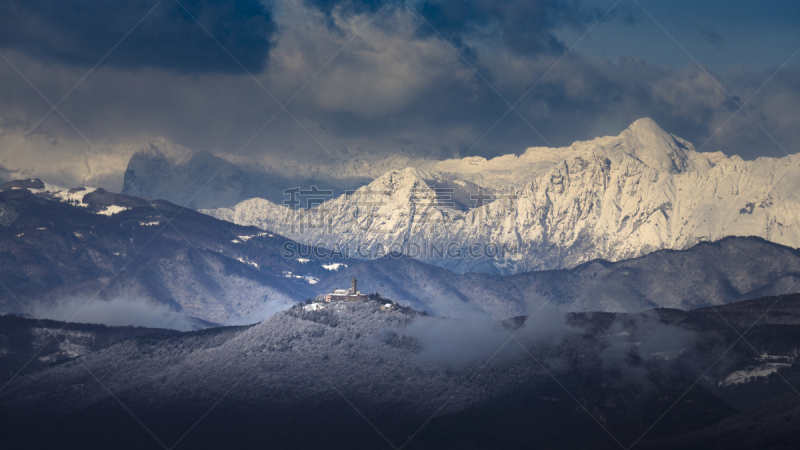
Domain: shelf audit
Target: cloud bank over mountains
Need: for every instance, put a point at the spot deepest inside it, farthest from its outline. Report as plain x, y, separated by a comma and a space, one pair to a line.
420, 79
120, 311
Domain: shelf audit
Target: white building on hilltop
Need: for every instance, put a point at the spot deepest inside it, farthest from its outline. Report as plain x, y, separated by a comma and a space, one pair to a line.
346, 295
313, 307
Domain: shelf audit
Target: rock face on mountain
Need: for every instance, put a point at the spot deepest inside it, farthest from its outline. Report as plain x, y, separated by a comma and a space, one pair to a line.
611, 198
164, 170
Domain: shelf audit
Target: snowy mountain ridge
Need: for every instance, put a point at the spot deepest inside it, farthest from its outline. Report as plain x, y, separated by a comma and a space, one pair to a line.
613, 198
644, 141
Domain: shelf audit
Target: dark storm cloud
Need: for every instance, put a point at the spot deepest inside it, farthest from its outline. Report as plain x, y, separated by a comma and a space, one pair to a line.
349, 6
82, 32
524, 26
395, 88
580, 98
439, 106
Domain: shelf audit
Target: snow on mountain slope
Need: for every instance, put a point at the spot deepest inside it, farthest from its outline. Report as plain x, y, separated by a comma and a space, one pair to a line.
612, 198
59, 248
644, 140
720, 272
295, 379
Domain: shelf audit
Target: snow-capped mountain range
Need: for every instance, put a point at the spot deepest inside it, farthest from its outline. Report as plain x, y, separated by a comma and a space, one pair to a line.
613, 198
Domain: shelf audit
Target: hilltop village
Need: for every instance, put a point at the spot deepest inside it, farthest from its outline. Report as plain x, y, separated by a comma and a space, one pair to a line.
348, 295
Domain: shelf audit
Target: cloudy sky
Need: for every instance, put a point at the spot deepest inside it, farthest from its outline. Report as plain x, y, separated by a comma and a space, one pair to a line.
434, 78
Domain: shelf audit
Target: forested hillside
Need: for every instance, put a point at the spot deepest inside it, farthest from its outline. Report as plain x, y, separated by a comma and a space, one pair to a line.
329, 369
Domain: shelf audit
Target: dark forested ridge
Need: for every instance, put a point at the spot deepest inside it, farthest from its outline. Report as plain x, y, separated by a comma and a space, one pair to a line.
36, 344
725, 271
55, 248
309, 378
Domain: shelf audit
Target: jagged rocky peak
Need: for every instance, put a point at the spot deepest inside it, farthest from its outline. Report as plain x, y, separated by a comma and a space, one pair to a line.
396, 188
648, 143
409, 175
152, 163
403, 181
174, 153
411, 184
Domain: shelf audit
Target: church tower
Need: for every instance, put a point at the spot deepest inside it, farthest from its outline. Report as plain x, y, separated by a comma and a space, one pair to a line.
354, 289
